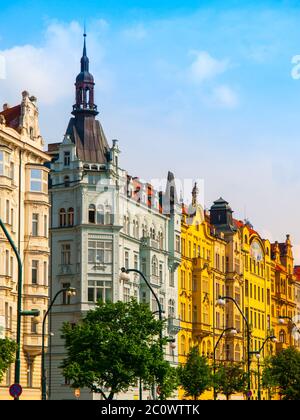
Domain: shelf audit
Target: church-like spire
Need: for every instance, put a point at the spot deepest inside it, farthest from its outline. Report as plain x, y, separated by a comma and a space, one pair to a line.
85, 87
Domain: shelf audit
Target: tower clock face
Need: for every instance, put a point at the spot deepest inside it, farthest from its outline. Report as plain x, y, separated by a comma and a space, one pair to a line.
256, 252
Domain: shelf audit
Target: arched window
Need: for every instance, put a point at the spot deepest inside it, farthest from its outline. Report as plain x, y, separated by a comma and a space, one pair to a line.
154, 266
92, 213
67, 181
209, 349
70, 216
182, 345
237, 353
100, 215
62, 218
171, 308
282, 335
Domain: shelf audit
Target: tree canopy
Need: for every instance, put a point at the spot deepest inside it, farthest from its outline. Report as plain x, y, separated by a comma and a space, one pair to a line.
230, 378
7, 355
114, 346
283, 371
195, 376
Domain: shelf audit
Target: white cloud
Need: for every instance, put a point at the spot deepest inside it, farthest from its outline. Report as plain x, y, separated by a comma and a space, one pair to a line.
224, 96
206, 67
47, 71
136, 32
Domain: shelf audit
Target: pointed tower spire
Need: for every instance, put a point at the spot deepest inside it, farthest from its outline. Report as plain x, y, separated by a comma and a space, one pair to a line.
85, 86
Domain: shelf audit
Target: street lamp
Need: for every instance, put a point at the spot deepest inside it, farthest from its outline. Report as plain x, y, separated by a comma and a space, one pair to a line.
71, 291
20, 313
221, 302
232, 332
125, 276
258, 356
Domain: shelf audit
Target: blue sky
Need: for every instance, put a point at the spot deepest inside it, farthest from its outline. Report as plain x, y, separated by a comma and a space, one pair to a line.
203, 89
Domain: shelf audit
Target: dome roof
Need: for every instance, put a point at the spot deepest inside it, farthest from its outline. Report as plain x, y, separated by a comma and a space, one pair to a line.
85, 76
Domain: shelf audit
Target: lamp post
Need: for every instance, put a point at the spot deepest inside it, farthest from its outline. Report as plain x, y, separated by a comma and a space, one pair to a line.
222, 301
71, 291
20, 313
233, 331
258, 355
124, 276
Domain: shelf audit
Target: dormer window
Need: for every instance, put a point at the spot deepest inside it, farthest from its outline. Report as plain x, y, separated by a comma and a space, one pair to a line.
67, 158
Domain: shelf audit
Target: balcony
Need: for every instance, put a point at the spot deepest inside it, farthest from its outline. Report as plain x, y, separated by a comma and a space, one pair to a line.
32, 344
6, 282
65, 269
155, 280
6, 182
173, 325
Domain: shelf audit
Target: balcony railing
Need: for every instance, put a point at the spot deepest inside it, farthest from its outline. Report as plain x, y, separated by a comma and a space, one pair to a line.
173, 325
65, 269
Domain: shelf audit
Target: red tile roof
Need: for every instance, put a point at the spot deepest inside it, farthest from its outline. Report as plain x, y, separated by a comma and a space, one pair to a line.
12, 116
297, 272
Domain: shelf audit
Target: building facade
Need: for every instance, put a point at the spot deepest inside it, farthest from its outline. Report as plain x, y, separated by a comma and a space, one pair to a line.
24, 209
102, 220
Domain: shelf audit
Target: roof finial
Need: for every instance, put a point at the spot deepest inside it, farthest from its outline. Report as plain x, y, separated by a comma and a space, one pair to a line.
84, 59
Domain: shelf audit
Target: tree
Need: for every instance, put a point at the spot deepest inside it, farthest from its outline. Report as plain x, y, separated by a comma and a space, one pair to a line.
195, 376
230, 378
7, 355
113, 346
283, 371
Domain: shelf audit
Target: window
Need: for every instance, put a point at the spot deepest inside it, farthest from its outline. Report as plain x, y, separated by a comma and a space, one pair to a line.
35, 224
12, 266
45, 273
31, 133
29, 372
246, 288
7, 211
12, 171
45, 226
1, 163
100, 252
33, 326
172, 280
171, 308
99, 290
126, 260
70, 216
136, 261
237, 353
34, 271
67, 158
7, 263
183, 279
154, 266
237, 295
66, 297
268, 297
62, 218
67, 181
36, 180
92, 213
126, 294
66, 254
161, 273
109, 219
218, 320
195, 313
282, 338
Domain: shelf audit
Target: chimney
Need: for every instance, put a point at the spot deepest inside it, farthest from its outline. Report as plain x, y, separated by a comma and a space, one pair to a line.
6, 107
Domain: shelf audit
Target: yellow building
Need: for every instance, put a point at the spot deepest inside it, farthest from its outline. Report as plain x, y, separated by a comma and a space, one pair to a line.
201, 280
24, 209
283, 293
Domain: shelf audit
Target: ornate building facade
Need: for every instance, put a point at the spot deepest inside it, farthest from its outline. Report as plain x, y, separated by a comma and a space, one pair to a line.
102, 220
24, 209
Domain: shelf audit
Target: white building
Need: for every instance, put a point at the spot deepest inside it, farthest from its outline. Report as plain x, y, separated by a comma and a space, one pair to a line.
103, 220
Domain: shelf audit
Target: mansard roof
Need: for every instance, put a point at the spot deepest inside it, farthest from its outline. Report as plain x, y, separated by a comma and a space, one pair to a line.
88, 136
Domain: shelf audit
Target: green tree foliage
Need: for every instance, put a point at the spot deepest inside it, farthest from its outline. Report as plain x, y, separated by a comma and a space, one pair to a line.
114, 346
283, 371
230, 378
195, 376
7, 355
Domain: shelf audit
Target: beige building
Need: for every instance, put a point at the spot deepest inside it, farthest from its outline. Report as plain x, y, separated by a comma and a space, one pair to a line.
24, 209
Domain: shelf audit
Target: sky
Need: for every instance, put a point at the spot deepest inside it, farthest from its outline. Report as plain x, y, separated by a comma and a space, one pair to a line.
205, 89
